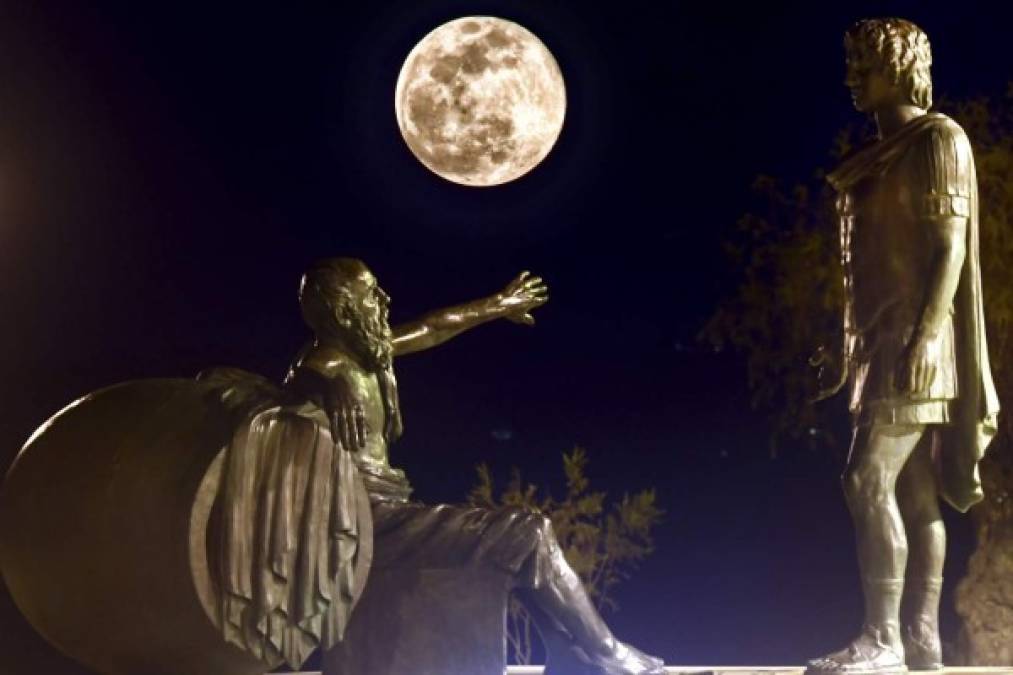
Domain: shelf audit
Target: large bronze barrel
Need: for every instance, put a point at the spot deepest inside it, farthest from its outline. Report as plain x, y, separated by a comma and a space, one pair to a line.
104, 524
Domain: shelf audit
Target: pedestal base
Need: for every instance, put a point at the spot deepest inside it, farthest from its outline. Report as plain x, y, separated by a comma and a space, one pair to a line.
426, 622
750, 670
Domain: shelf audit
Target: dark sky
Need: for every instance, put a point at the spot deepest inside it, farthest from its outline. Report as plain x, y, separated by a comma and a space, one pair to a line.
167, 171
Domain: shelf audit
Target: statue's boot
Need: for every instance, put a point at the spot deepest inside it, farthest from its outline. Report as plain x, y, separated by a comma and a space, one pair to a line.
564, 657
922, 646
576, 638
876, 651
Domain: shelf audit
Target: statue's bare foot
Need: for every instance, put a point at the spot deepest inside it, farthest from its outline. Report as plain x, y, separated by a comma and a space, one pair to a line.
867, 655
922, 647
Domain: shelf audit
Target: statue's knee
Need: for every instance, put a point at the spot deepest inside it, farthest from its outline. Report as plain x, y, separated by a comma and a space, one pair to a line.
537, 524
541, 524
867, 488
920, 510
540, 533
535, 530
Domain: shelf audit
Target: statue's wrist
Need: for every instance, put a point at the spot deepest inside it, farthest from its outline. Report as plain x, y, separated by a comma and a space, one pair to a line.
496, 305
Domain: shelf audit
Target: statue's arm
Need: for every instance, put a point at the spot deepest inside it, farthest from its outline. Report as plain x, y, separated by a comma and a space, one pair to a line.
948, 236
917, 367
945, 208
515, 303
322, 375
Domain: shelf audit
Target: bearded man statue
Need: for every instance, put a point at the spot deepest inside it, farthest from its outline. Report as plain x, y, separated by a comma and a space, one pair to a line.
347, 370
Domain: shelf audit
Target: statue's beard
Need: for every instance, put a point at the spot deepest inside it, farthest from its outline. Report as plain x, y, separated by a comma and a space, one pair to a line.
372, 337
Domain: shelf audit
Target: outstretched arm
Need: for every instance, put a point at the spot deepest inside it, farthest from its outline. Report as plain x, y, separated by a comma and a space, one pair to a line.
515, 303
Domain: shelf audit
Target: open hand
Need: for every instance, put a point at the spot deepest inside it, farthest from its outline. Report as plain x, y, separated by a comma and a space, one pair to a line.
522, 295
346, 415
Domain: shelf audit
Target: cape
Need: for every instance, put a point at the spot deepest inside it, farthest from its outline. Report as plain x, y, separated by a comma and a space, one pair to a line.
202, 527
295, 541
974, 414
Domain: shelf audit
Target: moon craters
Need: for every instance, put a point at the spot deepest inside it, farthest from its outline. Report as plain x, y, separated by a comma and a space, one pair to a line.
480, 101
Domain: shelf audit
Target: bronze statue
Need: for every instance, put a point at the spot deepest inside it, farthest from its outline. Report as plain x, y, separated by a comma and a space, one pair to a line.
923, 402
186, 526
347, 370
223, 525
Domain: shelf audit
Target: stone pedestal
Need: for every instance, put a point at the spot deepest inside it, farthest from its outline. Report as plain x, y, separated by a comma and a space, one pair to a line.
426, 622
747, 670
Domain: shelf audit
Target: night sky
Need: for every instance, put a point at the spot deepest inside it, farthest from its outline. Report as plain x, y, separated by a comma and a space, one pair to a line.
167, 172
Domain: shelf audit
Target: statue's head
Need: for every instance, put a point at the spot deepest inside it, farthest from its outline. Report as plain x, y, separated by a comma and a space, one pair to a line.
888, 64
341, 300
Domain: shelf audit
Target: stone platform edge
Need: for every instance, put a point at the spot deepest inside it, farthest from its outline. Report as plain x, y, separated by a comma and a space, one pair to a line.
745, 670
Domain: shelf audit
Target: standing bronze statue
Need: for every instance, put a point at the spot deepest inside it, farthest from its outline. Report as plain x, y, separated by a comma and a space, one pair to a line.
923, 402
347, 370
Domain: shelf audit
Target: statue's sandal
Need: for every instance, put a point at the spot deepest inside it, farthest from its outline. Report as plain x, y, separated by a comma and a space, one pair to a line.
854, 660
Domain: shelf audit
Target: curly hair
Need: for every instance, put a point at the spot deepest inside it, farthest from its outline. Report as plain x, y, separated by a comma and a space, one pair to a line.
900, 49
324, 296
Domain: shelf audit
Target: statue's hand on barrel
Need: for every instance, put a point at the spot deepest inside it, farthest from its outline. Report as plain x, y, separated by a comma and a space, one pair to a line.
334, 393
522, 295
345, 413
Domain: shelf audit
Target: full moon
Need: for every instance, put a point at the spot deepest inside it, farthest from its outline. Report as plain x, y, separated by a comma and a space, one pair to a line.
480, 101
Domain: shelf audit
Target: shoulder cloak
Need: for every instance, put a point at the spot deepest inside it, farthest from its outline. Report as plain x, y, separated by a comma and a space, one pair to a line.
963, 442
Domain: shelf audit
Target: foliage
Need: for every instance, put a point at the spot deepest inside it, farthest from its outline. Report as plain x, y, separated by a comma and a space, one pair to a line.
602, 543
788, 302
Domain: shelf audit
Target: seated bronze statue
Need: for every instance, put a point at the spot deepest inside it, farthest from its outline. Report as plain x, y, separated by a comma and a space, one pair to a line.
347, 370
224, 525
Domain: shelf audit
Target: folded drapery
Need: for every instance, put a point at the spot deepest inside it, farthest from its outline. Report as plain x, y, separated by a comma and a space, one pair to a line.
292, 543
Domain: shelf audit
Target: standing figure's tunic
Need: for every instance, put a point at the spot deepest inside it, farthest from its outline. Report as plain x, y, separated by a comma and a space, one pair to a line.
889, 194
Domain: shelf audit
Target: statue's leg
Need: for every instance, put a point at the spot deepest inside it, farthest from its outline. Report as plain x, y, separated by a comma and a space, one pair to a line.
572, 629
918, 498
878, 453
523, 544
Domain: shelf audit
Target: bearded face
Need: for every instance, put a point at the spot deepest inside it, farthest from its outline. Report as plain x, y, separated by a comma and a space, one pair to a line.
341, 300
369, 327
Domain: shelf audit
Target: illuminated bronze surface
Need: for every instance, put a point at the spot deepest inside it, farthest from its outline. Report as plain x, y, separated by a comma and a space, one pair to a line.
347, 310
922, 397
